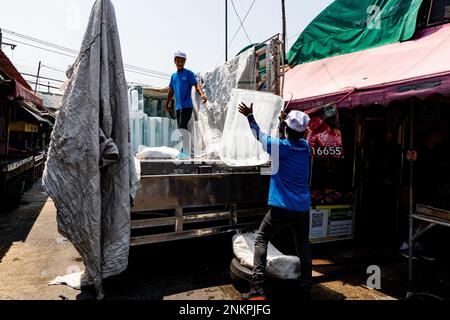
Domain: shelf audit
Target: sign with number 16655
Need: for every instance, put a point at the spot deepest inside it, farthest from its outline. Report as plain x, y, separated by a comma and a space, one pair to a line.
327, 152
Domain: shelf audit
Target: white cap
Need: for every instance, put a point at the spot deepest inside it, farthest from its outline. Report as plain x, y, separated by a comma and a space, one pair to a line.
298, 121
180, 54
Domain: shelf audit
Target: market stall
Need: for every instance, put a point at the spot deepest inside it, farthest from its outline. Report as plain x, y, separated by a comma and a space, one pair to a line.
24, 134
360, 163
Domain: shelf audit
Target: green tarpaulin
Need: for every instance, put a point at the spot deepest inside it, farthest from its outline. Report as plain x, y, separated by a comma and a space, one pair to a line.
353, 25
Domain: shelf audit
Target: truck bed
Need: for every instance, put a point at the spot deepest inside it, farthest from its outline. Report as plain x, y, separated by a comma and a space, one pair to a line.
187, 200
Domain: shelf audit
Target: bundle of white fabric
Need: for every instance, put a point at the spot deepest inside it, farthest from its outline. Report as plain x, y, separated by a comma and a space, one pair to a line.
279, 266
157, 153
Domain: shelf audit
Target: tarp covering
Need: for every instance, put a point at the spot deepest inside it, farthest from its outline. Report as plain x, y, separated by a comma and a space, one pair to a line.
353, 25
419, 67
90, 174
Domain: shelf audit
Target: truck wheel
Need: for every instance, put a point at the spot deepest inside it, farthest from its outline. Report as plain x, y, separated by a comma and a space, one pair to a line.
239, 271
240, 276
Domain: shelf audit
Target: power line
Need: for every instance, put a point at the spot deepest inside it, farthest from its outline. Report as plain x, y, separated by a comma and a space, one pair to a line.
62, 48
73, 53
42, 85
242, 5
243, 21
39, 41
41, 48
163, 77
128, 66
54, 69
240, 20
239, 29
294, 35
41, 77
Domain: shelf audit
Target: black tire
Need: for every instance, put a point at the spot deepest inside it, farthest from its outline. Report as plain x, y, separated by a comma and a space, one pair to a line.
240, 276
238, 271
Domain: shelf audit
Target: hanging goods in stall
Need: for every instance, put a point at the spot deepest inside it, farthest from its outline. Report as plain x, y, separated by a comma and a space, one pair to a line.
324, 137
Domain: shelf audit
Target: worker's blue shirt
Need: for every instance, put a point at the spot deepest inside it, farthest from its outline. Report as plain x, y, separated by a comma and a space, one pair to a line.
289, 185
181, 83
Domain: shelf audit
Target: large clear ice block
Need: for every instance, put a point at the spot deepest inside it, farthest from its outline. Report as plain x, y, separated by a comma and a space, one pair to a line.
137, 120
239, 147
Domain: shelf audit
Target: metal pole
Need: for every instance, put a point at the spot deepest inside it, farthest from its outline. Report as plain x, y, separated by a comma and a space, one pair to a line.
429, 12
283, 45
226, 30
8, 128
283, 10
37, 77
411, 195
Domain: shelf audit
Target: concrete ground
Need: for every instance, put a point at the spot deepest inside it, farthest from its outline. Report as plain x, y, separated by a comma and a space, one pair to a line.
32, 253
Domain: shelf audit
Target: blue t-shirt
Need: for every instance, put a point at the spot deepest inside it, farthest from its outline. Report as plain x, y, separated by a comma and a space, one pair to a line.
181, 83
289, 185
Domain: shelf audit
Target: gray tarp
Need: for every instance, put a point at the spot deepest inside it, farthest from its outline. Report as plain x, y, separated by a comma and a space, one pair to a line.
90, 173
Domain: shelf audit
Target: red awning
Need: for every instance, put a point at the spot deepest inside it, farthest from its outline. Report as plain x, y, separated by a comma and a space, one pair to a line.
23, 93
22, 89
10, 71
416, 68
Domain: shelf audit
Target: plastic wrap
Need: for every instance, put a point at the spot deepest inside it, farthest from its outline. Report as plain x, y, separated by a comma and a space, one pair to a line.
218, 84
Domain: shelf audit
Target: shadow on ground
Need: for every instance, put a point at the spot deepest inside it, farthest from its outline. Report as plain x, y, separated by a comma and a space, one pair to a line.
15, 225
159, 271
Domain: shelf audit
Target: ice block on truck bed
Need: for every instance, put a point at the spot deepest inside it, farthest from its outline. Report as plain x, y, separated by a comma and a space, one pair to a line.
239, 147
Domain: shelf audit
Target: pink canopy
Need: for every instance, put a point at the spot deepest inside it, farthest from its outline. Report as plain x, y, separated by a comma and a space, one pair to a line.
419, 67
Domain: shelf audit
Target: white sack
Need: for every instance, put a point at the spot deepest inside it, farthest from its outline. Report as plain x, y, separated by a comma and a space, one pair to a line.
278, 265
90, 173
157, 153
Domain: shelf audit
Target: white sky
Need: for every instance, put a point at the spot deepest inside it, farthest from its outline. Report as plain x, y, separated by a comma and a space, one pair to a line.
151, 30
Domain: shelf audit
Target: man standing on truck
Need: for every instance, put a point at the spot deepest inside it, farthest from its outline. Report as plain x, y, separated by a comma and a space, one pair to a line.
289, 198
180, 86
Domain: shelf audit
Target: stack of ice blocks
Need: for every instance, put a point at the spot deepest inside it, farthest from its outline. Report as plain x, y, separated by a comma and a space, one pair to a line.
149, 131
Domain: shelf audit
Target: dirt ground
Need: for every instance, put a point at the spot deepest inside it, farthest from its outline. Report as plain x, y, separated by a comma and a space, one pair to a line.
32, 253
